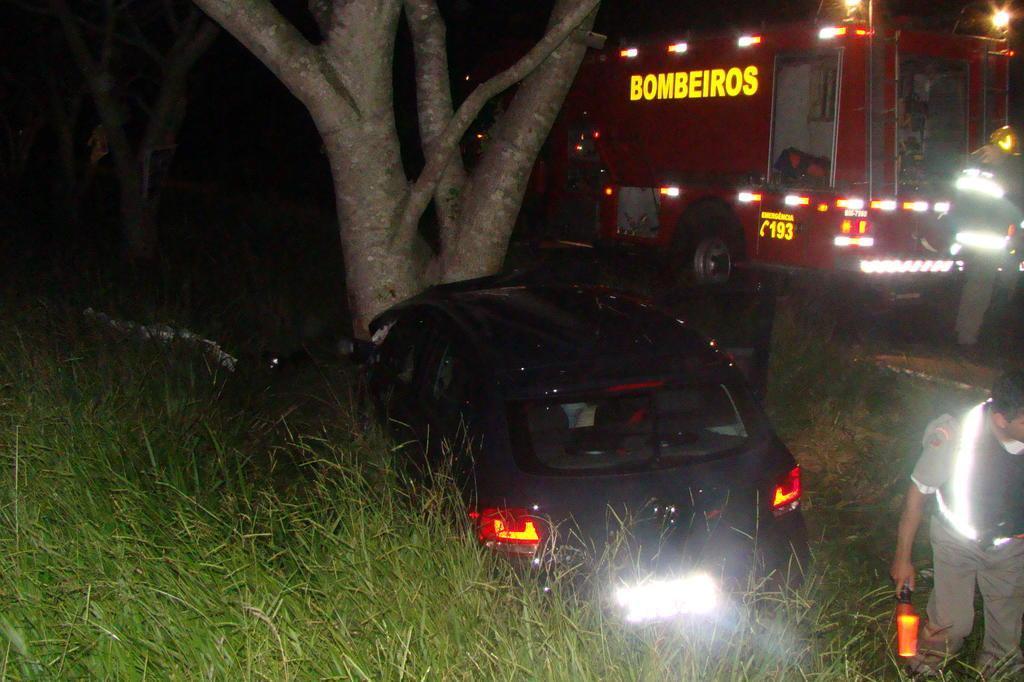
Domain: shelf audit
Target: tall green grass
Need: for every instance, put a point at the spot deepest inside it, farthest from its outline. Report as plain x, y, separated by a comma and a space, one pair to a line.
158, 522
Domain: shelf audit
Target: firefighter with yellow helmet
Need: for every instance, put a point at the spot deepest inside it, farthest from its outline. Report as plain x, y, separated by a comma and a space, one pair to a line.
974, 466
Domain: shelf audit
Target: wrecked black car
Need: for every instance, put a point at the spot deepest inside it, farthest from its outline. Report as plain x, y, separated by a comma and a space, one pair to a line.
592, 415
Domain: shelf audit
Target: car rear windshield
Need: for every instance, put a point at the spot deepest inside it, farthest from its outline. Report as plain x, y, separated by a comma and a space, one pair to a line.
617, 431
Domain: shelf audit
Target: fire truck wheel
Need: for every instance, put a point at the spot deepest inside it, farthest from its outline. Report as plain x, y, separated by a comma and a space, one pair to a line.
712, 262
707, 242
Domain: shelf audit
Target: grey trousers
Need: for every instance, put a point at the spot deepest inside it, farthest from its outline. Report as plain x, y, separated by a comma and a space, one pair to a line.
999, 574
975, 299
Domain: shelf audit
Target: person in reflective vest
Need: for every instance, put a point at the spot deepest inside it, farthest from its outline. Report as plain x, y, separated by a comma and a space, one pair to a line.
974, 466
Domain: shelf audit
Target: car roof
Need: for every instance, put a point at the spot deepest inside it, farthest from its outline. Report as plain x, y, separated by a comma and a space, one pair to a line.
522, 329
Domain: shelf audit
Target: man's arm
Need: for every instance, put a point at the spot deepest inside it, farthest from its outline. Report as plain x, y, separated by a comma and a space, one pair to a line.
902, 570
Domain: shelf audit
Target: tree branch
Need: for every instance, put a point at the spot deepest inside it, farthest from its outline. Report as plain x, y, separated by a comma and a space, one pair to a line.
196, 35
434, 102
172, 17
274, 40
99, 84
422, 190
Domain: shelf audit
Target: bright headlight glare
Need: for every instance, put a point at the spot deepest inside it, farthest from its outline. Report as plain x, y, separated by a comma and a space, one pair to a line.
662, 599
980, 183
982, 239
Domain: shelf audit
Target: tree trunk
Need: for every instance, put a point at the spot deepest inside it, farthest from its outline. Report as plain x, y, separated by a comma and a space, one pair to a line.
138, 224
368, 194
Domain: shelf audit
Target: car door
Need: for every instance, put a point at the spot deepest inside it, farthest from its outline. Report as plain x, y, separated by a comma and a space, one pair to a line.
396, 375
452, 400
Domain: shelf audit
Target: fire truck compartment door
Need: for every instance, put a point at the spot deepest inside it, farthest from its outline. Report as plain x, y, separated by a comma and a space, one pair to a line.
782, 234
638, 209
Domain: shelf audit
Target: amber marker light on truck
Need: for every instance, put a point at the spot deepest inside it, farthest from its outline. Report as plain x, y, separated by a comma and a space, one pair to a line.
847, 227
748, 41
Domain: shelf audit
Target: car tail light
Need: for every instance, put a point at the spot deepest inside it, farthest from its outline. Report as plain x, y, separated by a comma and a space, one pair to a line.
512, 530
786, 496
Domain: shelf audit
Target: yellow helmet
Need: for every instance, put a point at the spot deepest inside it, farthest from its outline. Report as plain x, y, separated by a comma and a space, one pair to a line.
1005, 138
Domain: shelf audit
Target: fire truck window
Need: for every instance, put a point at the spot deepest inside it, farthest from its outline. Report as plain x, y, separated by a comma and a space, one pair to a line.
932, 119
805, 119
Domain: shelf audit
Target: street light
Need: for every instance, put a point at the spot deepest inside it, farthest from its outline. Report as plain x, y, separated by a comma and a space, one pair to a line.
1001, 19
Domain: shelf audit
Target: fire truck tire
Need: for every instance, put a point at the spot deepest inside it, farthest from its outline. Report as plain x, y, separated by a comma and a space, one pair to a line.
712, 262
709, 240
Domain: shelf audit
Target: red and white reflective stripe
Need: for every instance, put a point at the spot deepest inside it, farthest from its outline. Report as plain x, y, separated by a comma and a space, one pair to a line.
629, 52
794, 200
831, 32
747, 41
886, 266
853, 204
957, 511
884, 204
853, 241
678, 48
918, 206
748, 197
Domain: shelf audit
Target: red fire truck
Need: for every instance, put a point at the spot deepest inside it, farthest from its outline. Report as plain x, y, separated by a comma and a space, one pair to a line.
829, 147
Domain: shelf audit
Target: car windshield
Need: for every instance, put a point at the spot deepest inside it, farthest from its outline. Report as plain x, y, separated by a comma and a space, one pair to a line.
627, 431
